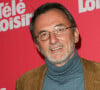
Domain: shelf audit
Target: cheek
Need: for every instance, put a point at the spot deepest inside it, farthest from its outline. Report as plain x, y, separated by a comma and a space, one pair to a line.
68, 36
65, 39
68, 41
43, 45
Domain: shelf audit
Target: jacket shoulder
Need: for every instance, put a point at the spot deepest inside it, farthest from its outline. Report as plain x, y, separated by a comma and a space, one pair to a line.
91, 74
30, 77
34, 72
91, 65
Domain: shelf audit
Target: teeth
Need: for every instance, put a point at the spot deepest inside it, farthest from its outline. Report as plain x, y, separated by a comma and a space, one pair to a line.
56, 48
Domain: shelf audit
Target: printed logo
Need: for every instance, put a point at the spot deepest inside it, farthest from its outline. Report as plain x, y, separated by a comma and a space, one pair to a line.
3, 89
88, 5
13, 15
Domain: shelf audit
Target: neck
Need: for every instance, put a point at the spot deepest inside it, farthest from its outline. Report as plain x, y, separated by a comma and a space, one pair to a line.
67, 67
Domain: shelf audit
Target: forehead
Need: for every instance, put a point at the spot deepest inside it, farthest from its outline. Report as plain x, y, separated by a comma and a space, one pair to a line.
50, 19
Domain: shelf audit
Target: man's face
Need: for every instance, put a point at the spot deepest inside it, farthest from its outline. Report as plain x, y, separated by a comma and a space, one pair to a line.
57, 49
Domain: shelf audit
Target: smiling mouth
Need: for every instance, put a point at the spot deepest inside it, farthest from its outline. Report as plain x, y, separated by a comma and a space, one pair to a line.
56, 50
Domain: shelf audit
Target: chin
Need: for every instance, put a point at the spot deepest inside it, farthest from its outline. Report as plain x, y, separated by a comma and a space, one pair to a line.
57, 60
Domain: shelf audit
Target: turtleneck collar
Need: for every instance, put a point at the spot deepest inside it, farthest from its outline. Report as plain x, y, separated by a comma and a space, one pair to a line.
65, 72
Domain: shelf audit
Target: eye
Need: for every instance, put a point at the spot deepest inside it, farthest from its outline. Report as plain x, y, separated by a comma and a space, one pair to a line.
61, 29
43, 34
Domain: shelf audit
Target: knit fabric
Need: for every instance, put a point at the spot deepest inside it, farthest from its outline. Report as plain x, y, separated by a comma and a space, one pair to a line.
67, 77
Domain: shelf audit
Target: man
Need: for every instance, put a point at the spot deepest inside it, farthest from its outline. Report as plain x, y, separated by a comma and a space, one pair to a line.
55, 34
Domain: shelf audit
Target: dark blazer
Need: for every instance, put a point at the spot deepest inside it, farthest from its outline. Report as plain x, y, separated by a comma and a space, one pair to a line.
33, 80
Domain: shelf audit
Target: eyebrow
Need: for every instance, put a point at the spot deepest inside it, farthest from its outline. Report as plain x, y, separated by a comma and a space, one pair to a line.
42, 31
59, 25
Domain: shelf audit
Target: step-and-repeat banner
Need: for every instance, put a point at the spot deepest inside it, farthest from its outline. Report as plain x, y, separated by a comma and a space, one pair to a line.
17, 50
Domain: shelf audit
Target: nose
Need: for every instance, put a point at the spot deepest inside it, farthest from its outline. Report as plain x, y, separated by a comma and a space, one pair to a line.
53, 38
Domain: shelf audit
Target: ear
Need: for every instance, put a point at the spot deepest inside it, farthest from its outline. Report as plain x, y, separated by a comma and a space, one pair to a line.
76, 35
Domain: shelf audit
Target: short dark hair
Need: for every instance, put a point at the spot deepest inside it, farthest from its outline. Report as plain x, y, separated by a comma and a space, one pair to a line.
46, 7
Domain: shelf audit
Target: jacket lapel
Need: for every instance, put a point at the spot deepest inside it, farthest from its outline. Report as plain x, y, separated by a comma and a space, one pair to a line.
91, 75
